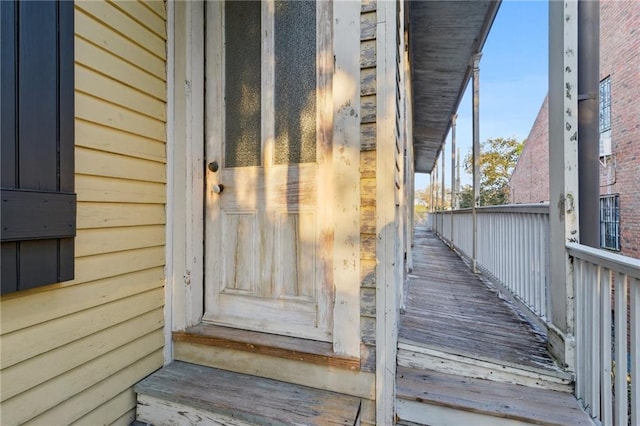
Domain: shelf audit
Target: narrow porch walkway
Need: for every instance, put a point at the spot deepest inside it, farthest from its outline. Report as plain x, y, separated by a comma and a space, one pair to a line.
467, 356
449, 308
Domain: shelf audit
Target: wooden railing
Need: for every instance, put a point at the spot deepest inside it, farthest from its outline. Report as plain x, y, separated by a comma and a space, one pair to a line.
607, 301
513, 247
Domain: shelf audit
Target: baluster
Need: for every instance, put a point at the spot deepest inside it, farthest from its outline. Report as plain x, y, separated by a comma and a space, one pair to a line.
620, 325
594, 285
605, 348
635, 351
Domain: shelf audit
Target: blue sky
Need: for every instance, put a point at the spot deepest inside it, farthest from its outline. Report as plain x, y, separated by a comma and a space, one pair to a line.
513, 80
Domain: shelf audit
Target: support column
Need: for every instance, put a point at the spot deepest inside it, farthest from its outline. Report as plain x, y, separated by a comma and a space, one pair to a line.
432, 189
388, 267
476, 155
454, 194
457, 205
442, 204
563, 175
588, 125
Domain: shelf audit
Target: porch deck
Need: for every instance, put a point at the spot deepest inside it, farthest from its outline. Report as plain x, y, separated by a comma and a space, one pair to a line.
449, 308
468, 356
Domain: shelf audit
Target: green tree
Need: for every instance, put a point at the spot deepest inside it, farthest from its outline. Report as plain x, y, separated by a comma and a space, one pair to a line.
422, 204
498, 157
466, 197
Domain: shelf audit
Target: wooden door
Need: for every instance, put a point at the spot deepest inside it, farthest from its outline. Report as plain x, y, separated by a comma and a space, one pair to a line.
268, 242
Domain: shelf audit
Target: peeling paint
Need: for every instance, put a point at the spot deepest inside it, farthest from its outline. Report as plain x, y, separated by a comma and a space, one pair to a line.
561, 208
569, 203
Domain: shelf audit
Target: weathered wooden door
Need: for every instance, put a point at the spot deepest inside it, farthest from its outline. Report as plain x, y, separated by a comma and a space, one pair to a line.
268, 239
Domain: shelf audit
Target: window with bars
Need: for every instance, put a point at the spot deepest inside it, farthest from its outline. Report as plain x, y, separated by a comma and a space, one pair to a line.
605, 105
610, 222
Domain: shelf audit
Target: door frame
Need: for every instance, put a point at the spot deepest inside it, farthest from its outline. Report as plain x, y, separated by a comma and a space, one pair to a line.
185, 169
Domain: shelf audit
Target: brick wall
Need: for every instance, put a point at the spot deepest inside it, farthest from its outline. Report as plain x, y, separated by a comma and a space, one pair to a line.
529, 181
620, 172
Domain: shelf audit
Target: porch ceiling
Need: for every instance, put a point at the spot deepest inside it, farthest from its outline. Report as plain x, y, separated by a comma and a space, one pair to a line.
443, 37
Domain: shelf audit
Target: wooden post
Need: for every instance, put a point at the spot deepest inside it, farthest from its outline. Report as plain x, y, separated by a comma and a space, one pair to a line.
387, 307
443, 176
563, 174
457, 206
346, 152
434, 183
476, 155
453, 171
185, 159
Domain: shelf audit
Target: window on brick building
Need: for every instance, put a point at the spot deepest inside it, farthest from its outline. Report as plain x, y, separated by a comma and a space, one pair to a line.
610, 222
605, 105
605, 117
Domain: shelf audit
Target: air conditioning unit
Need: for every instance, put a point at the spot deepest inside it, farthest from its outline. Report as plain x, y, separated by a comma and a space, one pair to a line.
605, 143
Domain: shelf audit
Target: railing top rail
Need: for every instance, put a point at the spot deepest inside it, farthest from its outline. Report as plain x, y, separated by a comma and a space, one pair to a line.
540, 208
613, 261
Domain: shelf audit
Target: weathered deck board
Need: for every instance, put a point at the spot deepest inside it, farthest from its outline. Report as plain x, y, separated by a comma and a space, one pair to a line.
242, 399
515, 402
450, 308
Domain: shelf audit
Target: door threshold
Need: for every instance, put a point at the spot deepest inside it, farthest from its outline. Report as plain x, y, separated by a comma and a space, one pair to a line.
294, 348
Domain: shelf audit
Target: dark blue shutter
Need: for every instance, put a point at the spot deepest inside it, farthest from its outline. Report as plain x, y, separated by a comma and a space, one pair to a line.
38, 203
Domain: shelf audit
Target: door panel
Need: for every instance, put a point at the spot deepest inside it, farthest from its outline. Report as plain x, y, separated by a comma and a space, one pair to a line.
268, 249
296, 235
239, 252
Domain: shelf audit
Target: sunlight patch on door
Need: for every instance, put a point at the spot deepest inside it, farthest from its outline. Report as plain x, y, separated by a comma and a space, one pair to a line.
296, 251
239, 252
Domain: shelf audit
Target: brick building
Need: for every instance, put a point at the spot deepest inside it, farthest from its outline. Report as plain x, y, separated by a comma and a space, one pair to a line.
529, 181
619, 134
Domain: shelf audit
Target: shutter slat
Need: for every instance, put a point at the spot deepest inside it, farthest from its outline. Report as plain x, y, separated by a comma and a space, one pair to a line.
38, 263
9, 253
66, 93
8, 90
37, 95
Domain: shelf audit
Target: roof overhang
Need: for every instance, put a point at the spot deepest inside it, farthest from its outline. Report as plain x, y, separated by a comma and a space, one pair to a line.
443, 38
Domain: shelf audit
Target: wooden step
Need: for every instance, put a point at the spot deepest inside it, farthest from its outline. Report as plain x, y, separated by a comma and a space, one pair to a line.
311, 351
434, 398
183, 393
420, 356
287, 359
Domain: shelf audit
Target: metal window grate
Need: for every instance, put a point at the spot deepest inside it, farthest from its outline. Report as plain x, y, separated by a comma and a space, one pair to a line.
610, 222
605, 105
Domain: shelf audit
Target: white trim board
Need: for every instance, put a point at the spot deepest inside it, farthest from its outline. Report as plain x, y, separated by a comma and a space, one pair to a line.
387, 308
185, 247
168, 270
